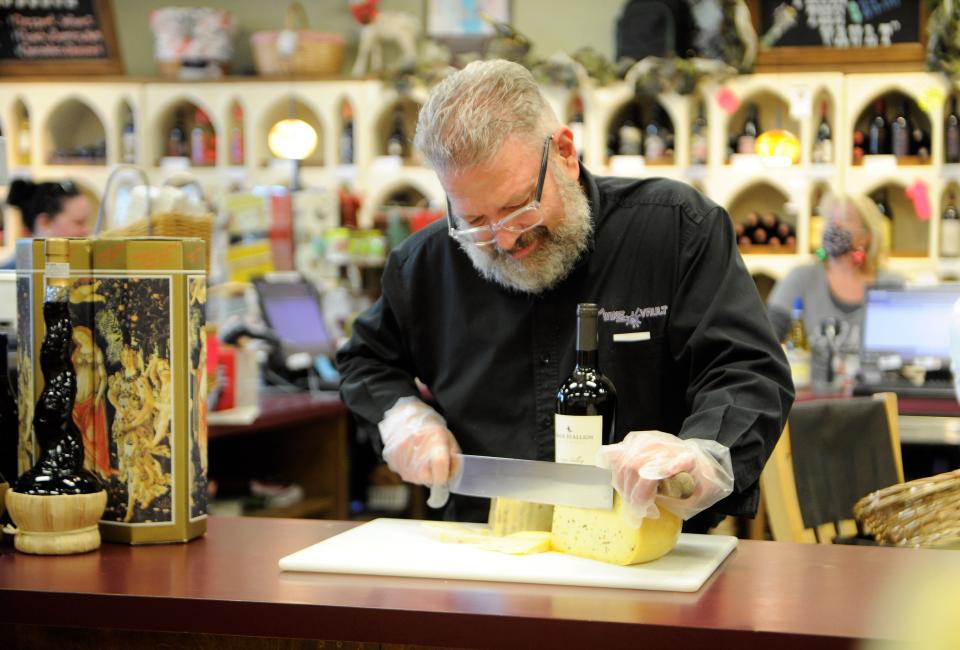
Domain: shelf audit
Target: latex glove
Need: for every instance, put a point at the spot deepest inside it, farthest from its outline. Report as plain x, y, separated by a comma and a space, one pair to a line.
643, 458
418, 446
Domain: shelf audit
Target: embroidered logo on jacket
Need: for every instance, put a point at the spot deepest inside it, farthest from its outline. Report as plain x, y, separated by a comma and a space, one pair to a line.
633, 318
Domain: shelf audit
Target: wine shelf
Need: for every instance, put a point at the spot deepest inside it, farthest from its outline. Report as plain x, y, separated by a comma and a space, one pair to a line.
65, 115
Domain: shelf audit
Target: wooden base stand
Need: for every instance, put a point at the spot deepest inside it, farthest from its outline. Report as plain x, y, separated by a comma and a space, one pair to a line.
56, 525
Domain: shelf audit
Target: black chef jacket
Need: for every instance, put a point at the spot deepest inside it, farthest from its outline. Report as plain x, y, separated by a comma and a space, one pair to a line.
662, 259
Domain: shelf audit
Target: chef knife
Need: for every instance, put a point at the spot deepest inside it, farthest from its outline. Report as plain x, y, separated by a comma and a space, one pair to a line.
584, 486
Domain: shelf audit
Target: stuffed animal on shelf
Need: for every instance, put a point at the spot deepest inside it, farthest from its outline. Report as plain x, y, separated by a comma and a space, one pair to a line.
379, 28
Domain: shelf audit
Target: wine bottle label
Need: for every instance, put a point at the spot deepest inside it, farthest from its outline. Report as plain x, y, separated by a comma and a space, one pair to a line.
577, 438
59, 270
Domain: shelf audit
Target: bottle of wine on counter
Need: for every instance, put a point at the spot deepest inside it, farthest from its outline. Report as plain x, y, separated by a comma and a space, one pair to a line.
9, 424
797, 347
586, 405
56, 504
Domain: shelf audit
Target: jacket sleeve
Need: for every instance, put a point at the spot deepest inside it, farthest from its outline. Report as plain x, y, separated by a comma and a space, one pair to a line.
375, 366
739, 389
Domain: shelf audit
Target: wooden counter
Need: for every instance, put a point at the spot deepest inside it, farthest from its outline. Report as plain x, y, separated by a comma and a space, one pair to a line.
766, 595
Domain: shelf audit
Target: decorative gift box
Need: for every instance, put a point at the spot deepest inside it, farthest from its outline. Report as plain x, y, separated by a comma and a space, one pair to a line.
137, 307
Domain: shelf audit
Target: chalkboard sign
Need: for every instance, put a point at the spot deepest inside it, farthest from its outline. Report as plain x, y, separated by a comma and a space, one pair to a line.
840, 34
58, 37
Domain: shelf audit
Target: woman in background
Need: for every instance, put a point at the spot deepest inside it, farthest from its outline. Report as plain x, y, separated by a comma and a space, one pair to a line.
852, 254
51, 209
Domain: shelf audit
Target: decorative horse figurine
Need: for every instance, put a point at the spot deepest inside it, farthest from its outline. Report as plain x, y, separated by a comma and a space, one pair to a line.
378, 29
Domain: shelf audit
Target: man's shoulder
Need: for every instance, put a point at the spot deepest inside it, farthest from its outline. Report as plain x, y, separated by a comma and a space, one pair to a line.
626, 193
428, 241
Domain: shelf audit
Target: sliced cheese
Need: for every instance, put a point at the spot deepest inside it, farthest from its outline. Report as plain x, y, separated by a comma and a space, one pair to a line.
512, 515
605, 535
519, 543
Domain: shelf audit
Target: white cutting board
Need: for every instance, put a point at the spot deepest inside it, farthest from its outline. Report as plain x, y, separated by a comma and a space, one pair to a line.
405, 547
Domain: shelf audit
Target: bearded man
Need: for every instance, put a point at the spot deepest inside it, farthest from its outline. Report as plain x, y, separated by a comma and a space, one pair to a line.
482, 309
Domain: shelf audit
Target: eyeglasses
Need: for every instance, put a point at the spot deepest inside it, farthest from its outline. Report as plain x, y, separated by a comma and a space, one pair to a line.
486, 235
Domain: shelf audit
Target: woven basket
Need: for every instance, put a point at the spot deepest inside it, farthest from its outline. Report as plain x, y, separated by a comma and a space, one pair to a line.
169, 224
316, 52
923, 512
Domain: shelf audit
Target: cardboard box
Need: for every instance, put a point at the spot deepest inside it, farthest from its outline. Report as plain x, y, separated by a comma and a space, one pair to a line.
137, 310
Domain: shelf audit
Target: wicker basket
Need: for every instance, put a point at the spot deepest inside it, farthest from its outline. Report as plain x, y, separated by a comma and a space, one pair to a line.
316, 53
923, 512
169, 224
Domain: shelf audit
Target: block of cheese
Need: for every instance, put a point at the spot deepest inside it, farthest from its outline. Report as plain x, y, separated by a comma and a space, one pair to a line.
512, 515
605, 534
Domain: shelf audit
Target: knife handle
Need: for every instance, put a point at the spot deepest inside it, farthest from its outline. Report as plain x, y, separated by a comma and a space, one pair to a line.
678, 486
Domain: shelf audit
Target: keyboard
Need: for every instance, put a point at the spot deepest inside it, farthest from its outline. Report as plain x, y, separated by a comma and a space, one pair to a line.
939, 389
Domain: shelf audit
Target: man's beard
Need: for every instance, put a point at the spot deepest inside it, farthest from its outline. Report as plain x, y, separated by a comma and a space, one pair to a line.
554, 258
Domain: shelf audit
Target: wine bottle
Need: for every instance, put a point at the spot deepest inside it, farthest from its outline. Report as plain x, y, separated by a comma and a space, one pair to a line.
586, 405
952, 133
59, 469
177, 138
128, 140
823, 148
698, 140
654, 141
950, 230
23, 140
797, 347
630, 137
9, 424
397, 142
886, 225
747, 141
346, 136
877, 134
900, 132
236, 135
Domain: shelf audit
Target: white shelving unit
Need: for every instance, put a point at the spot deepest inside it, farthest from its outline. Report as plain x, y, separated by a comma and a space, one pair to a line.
84, 111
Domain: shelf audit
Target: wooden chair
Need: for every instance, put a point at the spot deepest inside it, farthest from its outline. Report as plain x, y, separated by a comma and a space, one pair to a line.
858, 444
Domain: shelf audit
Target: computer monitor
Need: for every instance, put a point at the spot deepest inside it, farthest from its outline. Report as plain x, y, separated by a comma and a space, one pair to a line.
292, 309
910, 323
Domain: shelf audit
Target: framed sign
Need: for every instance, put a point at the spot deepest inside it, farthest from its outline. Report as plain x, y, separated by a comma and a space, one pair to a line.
60, 37
840, 35
459, 23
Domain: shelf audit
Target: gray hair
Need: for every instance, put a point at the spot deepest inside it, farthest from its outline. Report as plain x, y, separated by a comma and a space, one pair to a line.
470, 113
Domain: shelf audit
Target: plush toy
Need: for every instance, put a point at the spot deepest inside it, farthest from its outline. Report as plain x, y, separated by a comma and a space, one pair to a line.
378, 28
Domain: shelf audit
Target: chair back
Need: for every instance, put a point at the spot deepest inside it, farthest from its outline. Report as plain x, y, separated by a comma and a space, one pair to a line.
832, 453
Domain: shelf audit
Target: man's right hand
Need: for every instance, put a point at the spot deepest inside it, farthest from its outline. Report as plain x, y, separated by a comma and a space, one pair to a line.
422, 456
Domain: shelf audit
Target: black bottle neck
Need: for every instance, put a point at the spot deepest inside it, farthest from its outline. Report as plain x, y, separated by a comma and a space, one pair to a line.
586, 359
587, 338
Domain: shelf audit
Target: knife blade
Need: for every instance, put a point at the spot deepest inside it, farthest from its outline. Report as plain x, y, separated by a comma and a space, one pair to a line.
584, 486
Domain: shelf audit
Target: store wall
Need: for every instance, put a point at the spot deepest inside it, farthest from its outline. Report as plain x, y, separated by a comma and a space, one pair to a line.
552, 26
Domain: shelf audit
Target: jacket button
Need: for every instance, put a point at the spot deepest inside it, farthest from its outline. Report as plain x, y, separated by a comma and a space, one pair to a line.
544, 359
546, 422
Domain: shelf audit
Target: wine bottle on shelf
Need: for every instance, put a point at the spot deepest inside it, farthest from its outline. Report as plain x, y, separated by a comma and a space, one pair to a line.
900, 131
886, 225
878, 134
654, 140
629, 134
23, 140
823, 147
236, 135
346, 135
747, 141
397, 142
951, 133
586, 404
698, 139
9, 424
128, 140
950, 229
177, 138
203, 144
797, 347
577, 126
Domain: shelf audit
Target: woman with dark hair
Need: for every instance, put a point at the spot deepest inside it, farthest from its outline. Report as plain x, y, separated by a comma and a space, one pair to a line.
50, 209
